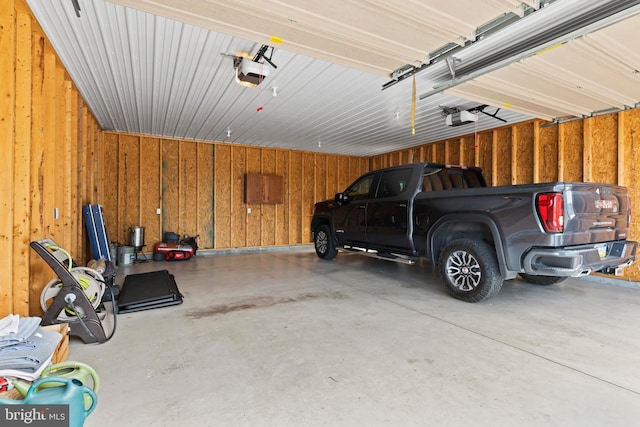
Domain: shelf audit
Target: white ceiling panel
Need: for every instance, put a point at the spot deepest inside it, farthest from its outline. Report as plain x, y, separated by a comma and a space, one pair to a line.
593, 73
370, 35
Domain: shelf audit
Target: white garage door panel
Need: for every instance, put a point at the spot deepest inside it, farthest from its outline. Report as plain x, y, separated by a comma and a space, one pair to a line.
591, 74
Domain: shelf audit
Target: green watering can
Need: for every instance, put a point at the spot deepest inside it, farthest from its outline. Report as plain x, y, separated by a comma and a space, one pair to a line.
72, 370
59, 391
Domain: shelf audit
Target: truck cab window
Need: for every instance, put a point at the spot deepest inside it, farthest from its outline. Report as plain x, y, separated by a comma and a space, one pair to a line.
360, 189
393, 183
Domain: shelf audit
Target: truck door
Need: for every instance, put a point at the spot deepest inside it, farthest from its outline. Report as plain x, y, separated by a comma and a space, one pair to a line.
388, 223
350, 218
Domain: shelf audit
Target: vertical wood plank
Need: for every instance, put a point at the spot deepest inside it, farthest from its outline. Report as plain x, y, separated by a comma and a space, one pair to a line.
503, 162
536, 151
110, 203
308, 196
320, 180
254, 219
7, 128
587, 160
523, 152
222, 196
38, 266
603, 137
268, 218
514, 155
238, 207
77, 224
129, 198
295, 197
621, 146
61, 164
282, 211
572, 151
50, 160
188, 188
205, 204
150, 184
22, 162
170, 186
548, 154
345, 176
485, 157
467, 155
66, 212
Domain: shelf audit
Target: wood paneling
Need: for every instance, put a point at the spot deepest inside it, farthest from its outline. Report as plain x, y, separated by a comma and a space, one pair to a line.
150, 185
210, 178
522, 142
188, 189
485, 155
205, 203
548, 154
129, 188
239, 212
170, 185
42, 162
452, 151
254, 219
282, 211
570, 146
8, 119
222, 196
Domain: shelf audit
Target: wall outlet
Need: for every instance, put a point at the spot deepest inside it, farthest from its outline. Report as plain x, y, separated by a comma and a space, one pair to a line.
55, 213
248, 210
158, 211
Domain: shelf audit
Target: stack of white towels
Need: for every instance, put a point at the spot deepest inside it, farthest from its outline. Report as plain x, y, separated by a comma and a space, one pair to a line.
25, 348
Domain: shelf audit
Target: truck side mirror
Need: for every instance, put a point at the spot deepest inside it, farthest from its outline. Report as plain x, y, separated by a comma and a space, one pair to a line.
341, 199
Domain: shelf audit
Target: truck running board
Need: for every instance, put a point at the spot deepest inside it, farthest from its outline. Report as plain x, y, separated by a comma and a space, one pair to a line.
402, 259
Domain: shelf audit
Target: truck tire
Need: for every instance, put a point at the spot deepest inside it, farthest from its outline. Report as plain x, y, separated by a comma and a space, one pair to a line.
469, 269
542, 280
324, 244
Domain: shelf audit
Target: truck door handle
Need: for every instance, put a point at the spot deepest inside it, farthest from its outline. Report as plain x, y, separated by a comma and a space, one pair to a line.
401, 205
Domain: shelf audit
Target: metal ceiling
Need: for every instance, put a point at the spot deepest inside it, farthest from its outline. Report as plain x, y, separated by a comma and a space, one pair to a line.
168, 76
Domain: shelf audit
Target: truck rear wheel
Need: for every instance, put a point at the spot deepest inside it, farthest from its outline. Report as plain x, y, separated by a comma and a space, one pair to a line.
324, 244
542, 280
469, 269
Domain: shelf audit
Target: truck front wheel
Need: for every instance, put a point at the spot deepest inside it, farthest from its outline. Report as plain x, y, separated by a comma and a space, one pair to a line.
324, 244
469, 269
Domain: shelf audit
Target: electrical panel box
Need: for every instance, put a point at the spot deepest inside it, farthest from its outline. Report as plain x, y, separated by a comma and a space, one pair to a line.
264, 189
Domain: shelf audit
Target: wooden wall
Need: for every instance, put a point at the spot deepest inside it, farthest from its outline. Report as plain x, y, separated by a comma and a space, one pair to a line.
199, 188
599, 149
50, 158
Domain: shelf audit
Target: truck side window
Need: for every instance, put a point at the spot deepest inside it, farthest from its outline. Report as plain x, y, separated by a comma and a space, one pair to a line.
393, 183
360, 189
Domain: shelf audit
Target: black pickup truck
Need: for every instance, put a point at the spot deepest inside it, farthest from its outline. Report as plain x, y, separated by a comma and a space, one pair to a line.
478, 236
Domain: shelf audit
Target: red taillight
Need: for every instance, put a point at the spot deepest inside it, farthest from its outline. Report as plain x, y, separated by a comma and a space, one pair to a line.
551, 211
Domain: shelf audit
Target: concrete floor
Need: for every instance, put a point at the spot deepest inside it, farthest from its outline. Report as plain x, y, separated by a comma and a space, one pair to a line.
282, 338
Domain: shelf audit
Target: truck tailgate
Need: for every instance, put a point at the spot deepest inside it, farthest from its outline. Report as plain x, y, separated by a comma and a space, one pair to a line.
595, 213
